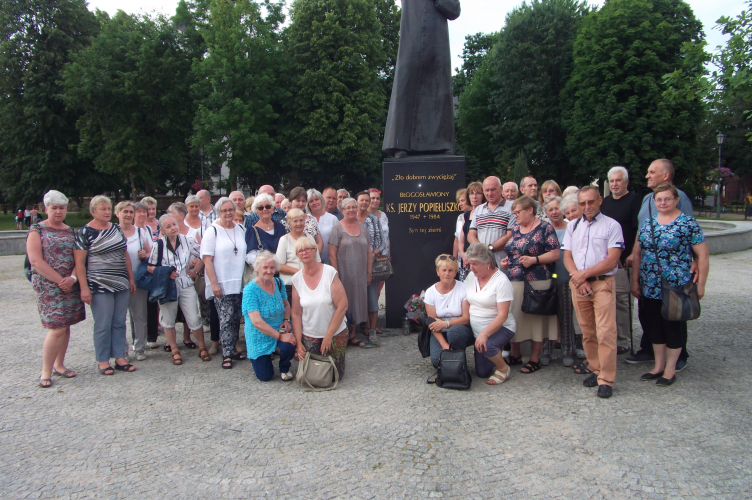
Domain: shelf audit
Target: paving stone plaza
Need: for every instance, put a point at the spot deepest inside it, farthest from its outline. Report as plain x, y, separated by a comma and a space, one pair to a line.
197, 431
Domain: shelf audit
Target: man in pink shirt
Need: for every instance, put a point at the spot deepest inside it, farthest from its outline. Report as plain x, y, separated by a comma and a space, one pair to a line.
592, 248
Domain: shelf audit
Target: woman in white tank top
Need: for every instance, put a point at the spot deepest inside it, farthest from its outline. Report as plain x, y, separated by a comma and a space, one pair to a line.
319, 305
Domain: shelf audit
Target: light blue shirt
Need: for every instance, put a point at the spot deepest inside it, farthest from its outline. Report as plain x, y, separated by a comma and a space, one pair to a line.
272, 310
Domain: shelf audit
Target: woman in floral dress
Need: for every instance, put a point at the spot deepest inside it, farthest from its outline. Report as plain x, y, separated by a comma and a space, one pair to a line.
49, 246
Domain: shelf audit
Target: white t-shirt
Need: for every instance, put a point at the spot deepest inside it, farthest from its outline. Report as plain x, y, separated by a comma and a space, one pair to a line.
134, 246
448, 306
228, 264
286, 255
318, 308
483, 308
326, 223
460, 223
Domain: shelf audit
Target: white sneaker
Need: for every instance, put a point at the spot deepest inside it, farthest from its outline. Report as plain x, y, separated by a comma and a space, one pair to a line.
372, 338
151, 345
140, 356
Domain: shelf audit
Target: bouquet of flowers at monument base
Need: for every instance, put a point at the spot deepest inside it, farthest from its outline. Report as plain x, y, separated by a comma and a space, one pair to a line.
416, 308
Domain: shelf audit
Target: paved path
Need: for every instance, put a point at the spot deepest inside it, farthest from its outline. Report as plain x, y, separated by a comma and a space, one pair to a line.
197, 431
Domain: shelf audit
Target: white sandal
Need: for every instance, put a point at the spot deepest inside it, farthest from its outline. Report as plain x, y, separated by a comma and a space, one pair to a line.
286, 376
498, 377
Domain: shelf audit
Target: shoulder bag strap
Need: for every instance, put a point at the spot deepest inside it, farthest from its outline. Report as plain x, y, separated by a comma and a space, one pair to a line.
258, 238
311, 388
138, 231
652, 235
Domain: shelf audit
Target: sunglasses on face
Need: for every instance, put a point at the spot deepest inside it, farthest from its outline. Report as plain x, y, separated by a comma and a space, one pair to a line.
587, 203
263, 207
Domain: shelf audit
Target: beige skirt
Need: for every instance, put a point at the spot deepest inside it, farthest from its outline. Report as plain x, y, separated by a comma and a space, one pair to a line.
532, 326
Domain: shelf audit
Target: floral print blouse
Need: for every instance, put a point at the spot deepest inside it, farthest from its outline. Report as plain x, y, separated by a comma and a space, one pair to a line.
543, 240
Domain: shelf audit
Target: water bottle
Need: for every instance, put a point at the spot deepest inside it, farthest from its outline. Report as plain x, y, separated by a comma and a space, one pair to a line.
406, 327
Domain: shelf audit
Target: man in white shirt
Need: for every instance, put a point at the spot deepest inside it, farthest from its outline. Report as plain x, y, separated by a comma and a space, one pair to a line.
592, 248
492, 223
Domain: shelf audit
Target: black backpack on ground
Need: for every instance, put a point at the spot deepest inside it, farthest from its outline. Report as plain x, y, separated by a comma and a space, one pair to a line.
453, 372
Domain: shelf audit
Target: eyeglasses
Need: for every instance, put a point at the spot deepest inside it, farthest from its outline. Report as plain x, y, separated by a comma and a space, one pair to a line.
445, 257
588, 203
305, 250
227, 211
263, 207
659, 201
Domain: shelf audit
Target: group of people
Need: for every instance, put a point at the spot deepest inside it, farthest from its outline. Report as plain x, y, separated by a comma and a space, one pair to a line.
26, 217
299, 280
596, 253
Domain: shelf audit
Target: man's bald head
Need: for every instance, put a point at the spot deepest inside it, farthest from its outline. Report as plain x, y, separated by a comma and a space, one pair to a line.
204, 200
660, 171
266, 189
492, 190
667, 166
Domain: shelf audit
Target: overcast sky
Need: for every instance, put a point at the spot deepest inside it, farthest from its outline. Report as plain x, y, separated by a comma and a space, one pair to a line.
478, 16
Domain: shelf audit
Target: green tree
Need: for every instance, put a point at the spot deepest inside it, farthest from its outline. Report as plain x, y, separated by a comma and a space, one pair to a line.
335, 115
389, 15
617, 111
529, 68
236, 85
521, 169
37, 132
473, 55
474, 122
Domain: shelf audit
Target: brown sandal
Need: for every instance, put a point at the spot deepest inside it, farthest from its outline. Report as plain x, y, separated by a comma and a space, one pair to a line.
179, 359
204, 354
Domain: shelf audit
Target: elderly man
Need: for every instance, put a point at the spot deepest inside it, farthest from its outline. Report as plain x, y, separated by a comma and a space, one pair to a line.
623, 206
659, 171
492, 222
205, 208
239, 199
529, 187
592, 248
330, 202
278, 199
341, 195
277, 215
510, 193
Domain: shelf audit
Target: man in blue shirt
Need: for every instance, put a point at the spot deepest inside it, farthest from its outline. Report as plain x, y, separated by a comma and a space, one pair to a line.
659, 171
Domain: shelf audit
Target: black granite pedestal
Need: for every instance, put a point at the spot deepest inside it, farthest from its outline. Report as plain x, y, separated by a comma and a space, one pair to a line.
420, 202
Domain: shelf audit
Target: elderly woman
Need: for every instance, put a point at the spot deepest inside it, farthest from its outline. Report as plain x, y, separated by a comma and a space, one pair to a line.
448, 310
138, 247
152, 308
196, 230
193, 219
287, 258
326, 221
266, 305
49, 246
548, 189
285, 204
106, 278
570, 205
319, 307
223, 250
351, 257
178, 251
151, 220
476, 198
378, 247
299, 199
667, 241
265, 234
532, 247
490, 295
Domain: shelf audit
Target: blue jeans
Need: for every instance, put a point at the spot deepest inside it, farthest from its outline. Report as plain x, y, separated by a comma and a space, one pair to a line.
263, 368
109, 310
458, 337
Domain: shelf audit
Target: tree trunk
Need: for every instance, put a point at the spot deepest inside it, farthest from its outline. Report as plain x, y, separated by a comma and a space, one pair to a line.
133, 186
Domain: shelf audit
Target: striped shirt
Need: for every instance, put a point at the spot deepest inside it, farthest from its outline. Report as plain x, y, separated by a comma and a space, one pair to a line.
207, 219
492, 225
105, 261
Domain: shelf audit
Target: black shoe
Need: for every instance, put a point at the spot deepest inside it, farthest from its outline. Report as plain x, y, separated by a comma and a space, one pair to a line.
605, 391
591, 380
665, 382
639, 357
681, 364
650, 376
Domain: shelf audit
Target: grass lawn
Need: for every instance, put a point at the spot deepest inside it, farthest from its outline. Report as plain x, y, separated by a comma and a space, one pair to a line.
8, 222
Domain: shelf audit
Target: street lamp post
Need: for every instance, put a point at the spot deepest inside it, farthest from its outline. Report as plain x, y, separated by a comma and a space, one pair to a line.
720, 138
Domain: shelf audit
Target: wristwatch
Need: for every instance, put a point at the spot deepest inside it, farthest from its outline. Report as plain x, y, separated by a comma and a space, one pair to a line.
490, 247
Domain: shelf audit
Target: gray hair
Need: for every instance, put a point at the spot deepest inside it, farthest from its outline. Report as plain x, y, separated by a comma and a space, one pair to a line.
222, 201
53, 197
192, 198
513, 184
140, 206
348, 200
568, 201
621, 170
178, 207
570, 191
265, 255
98, 200
479, 252
165, 217
148, 200
343, 190
313, 193
261, 198
558, 199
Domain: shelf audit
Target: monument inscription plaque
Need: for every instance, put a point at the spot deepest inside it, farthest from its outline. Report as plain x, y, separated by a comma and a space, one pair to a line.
419, 200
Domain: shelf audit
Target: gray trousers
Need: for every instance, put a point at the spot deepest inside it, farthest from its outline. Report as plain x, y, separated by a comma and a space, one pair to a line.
137, 310
623, 298
109, 310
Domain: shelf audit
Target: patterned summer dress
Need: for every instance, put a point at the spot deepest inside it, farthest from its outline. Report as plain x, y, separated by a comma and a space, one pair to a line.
57, 309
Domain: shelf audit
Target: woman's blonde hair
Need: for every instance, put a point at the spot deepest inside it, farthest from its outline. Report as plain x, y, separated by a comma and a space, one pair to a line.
98, 200
294, 213
545, 186
148, 200
123, 204
447, 261
304, 242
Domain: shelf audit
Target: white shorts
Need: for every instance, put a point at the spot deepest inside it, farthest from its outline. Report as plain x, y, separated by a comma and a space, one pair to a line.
188, 301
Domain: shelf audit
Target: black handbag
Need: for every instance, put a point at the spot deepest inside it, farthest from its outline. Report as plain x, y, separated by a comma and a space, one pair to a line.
538, 302
453, 372
424, 338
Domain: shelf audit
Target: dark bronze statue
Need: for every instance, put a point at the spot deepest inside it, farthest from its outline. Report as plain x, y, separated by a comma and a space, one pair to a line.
421, 114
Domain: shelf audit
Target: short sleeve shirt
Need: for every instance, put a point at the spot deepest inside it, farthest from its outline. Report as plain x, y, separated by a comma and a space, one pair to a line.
589, 241
272, 311
448, 306
542, 240
483, 301
492, 225
673, 246
105, 260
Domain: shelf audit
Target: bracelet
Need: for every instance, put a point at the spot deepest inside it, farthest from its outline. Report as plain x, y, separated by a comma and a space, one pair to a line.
75, 280
447, 323
537, 259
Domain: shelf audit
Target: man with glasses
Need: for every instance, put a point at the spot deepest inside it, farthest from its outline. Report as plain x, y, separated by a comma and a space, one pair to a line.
492, 221
277, 215
592, 248
331, 203
623, 206
659, 171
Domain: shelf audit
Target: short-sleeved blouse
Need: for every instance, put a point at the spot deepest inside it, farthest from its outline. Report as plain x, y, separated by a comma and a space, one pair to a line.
675, 241
542, 240
385, 231
375, 234
352, 265
139, 240
105, 261
272, 311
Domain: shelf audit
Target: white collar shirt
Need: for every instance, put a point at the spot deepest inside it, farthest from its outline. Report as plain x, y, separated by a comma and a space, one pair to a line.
589, 241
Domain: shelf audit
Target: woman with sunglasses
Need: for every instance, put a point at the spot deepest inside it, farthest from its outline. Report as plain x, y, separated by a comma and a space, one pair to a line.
448, 310
531, 249
266, 233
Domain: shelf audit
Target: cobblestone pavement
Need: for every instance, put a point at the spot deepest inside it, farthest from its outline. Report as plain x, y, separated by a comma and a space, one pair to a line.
197, 431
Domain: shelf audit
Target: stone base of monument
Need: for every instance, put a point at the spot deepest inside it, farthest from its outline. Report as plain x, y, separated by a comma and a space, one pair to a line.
420, 202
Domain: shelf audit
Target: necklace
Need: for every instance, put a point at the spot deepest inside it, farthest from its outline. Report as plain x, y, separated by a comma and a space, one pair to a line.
235, 247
